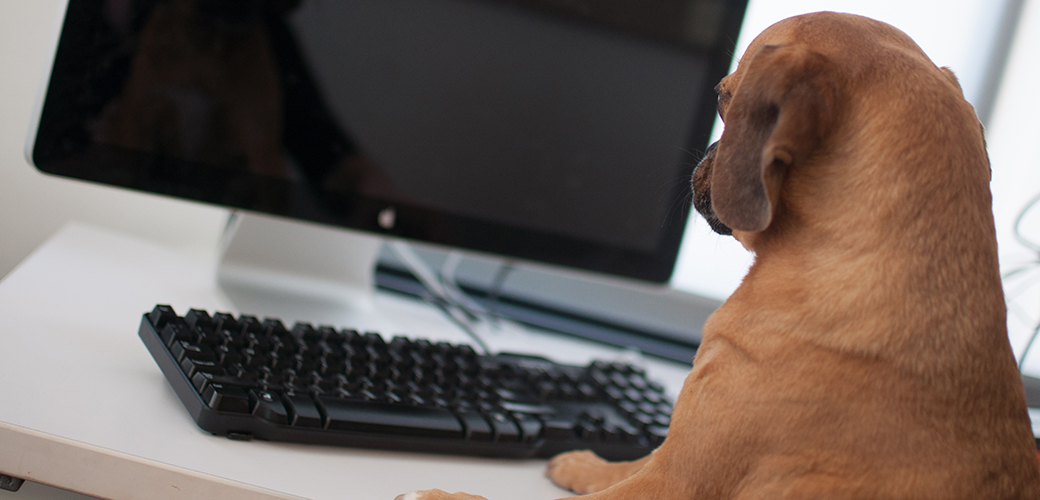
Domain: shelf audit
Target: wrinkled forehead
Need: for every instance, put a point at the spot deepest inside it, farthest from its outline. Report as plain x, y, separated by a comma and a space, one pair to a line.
840, 36
781, 33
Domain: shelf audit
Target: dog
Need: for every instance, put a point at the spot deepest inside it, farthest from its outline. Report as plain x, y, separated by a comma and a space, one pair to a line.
865, 354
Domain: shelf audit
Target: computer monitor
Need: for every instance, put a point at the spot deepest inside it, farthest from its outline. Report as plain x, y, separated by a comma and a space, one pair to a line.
555, 131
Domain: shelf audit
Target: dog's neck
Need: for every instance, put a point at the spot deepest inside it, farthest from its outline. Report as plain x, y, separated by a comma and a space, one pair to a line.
895, 274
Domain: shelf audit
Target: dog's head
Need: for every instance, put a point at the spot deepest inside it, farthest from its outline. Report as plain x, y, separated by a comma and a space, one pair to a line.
781, 108
777, 108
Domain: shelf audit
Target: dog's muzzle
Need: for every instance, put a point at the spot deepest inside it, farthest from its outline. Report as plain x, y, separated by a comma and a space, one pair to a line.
702, 191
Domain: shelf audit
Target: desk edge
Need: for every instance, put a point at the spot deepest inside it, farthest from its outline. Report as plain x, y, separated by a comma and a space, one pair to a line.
91, 470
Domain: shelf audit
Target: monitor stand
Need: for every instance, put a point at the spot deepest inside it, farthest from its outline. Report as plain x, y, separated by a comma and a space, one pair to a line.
296, 271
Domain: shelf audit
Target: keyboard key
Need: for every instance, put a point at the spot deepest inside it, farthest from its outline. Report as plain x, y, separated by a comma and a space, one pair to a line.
626, 432
365, 416
198, 319
248, 324
183, 349
175, 332
619, 380
224, 321
657, 434
612, 433
191, 367
628, 408
527, 408
268, 406
305, 413
587, 430
642, 419
161, 315
201, 379
504, 427
226, 398
530, 427
477, 428
652, 397
638, 381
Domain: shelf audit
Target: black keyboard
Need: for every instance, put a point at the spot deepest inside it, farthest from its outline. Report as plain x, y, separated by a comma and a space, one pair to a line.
246, 378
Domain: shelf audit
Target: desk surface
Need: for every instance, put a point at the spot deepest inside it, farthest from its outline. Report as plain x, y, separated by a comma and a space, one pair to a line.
88, 410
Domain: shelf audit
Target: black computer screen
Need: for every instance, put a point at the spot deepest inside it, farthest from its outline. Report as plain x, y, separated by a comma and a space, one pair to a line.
560, 131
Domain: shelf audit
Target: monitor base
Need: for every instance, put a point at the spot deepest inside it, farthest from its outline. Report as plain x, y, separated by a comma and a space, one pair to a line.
295, 270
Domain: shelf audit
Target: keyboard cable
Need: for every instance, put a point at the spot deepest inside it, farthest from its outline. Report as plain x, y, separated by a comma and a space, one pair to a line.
447, 297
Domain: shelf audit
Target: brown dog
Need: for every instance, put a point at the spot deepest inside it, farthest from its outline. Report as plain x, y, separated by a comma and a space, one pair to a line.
865, 355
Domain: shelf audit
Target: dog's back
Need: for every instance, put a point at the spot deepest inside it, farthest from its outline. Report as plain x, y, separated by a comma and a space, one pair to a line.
869, 338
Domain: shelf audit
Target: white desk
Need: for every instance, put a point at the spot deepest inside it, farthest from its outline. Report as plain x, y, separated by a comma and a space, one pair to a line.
84, 407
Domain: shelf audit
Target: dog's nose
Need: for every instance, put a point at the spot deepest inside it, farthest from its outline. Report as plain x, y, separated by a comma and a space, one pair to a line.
707, 153
711, 149
702, 193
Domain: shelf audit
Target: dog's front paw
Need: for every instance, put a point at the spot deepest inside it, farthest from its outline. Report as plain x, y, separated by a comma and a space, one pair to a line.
437, 495
584, 472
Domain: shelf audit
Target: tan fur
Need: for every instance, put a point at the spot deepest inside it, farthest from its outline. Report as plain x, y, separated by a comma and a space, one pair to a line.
865, 355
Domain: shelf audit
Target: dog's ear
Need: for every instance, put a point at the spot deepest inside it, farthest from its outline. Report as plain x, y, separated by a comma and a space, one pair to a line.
778, 115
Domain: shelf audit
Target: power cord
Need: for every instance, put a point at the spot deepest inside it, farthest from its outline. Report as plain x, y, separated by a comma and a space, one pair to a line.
451, 285
1020, 273
495, 292
1018, 226
444, 292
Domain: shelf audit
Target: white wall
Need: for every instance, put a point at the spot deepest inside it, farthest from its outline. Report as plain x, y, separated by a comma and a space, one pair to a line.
33, 206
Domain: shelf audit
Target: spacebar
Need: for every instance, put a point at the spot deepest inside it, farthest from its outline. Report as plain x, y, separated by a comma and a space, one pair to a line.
383, 418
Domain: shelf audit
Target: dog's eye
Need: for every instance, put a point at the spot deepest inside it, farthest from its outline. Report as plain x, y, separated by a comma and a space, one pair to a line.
724, 96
